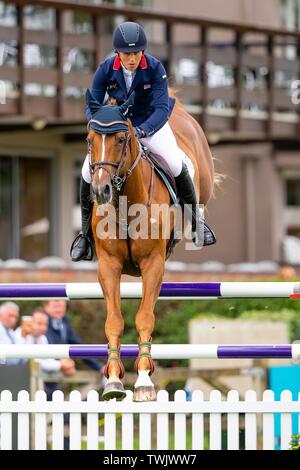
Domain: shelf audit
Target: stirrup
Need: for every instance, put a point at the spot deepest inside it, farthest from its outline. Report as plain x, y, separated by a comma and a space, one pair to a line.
75, 243
201, 240
211, 234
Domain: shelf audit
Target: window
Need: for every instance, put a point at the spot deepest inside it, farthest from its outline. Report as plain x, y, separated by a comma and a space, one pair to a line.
290, 14
8, 15
39, 18
293, 192
78, 22
78, 59
39, 56
25, 196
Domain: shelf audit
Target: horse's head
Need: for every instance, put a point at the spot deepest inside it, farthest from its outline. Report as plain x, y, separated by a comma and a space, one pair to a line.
112, 144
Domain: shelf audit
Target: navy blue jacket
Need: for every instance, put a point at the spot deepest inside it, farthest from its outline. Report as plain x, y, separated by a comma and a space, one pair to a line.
152, 106
69, 337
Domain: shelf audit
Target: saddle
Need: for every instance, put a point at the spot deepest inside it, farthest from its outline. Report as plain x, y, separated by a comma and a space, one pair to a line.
163, 170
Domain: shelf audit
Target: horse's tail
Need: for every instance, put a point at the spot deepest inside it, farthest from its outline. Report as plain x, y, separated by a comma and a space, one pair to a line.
219, 179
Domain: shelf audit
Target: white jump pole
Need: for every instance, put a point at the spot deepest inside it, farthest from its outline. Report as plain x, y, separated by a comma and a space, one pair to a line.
169, 290
159, 351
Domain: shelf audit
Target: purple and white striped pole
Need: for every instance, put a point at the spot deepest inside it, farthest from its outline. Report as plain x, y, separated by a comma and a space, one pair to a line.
159, 351
169, 290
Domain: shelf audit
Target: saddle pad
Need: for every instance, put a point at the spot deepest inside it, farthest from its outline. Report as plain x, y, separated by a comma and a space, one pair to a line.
163, 169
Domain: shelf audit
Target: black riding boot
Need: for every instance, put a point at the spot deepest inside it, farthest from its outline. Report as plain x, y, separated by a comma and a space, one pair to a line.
82, 246
202, 236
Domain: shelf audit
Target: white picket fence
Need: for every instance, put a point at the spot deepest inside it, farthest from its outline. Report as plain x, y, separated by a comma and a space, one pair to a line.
155, 422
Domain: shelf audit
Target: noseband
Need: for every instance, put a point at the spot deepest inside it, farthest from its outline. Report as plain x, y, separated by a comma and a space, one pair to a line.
117, 180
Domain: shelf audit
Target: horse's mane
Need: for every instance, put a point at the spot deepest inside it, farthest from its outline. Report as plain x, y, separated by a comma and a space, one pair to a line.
172, 94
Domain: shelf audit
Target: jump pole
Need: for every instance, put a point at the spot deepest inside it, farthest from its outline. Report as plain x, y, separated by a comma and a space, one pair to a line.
163, 351
169, 290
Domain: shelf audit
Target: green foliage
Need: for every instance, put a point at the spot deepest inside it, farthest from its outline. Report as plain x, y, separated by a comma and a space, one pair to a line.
88, 320
295, 442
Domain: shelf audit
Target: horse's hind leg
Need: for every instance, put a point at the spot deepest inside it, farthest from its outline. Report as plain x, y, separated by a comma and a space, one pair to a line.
109, 275
152, 269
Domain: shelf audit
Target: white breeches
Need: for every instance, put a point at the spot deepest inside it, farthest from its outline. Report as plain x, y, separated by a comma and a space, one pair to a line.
163, 142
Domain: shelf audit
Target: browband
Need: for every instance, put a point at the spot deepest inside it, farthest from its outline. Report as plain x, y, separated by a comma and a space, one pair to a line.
106, 124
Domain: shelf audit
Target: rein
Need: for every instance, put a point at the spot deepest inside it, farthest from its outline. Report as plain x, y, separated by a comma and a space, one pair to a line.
117, 180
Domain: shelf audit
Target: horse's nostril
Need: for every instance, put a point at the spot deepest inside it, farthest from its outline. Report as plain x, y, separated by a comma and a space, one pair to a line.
106, 190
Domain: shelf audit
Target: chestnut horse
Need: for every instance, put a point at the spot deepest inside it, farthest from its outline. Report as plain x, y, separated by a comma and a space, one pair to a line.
112, 144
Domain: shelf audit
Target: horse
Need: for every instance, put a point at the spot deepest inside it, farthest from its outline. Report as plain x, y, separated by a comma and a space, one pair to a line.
123, 170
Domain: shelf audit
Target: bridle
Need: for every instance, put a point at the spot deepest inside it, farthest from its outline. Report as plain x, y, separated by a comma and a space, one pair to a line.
117, 180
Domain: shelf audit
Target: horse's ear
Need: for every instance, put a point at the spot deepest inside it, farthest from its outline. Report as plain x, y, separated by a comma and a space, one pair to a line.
128, 103
91, 102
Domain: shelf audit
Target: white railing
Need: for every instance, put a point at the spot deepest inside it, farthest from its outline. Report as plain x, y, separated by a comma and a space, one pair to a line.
160, 425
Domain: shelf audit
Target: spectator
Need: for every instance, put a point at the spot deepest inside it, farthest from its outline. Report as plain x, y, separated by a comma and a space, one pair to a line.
9, 316
61, 332
34, 333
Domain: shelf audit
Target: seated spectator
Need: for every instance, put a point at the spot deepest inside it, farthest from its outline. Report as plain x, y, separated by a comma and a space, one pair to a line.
34, 333
9, 316
61, 332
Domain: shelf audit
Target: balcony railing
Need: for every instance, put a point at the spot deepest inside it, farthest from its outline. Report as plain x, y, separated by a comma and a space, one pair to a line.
237, 79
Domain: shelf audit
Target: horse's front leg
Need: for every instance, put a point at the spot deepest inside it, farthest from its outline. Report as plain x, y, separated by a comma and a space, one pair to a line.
109, 275
152, 269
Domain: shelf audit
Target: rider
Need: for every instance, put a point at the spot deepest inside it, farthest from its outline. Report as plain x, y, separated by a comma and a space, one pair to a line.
131, 69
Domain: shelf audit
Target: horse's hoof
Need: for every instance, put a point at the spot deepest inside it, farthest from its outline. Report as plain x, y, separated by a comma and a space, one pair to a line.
114, 390
144, 393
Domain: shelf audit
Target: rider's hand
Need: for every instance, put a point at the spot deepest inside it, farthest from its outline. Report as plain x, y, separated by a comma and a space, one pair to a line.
139, 133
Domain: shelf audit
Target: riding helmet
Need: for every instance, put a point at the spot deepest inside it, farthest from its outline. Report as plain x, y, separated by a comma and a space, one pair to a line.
129, 37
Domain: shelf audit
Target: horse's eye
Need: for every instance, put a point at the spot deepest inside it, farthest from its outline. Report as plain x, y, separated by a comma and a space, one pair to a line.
121, 140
